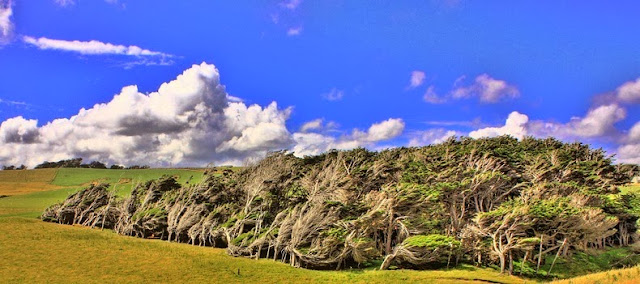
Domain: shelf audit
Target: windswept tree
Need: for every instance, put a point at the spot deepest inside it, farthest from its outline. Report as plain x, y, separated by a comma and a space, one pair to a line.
484, 201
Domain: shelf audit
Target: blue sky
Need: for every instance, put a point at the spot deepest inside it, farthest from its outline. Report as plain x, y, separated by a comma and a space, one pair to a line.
350, 63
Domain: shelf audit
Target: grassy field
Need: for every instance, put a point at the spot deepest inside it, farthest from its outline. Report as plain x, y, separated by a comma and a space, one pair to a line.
622, 276
22, 182
32, 251
35, 251
49, 186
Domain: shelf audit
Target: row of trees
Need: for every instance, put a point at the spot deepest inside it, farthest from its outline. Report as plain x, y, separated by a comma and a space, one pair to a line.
493, 201
11, 168
76, 163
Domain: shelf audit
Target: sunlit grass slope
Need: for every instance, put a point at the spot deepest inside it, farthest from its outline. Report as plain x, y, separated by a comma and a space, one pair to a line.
32, 251
49, 186
21, 182
621, 276
35, 251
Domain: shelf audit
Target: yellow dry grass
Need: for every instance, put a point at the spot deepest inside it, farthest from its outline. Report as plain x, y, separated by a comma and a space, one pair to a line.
23, 182
617, 276
37, 252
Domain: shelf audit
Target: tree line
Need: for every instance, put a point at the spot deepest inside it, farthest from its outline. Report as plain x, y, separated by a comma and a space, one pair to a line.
76, 163
497, 201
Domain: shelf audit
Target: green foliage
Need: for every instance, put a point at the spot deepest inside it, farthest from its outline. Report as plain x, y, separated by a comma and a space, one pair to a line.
244, 238
494, 196
432, 241
230, 222
154, 212
336, 233
552, 208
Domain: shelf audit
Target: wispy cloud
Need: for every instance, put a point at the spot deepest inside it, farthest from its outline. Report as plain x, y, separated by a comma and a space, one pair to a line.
142, 56
484, 87
477, 122
65, 3
6, 26
291, 4
162, 61
417, 79
488, 89
431, 136
287, 17
294, 31
13, 103
334, 95
92, 47
432, 97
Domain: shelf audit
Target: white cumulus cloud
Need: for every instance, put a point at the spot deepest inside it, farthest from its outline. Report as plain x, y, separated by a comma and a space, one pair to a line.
634, 133
629, 153
516, 126
188, 121
629, 92
629, 150
597, 123
315, 124
315, 143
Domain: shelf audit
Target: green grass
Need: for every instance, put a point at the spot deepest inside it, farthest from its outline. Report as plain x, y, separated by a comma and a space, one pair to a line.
35, 252
67, 181
32, 251
581, 263
626, 275
585, 263
32, 205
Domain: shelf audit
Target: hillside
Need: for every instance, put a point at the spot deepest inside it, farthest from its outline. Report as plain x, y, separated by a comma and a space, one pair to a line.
49, 253
485, 202
29, 192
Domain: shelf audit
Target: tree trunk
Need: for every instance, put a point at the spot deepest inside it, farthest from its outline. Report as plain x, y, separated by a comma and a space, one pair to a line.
557, 254
524, 260
389, 233
539, 254
510, 263
387, 262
